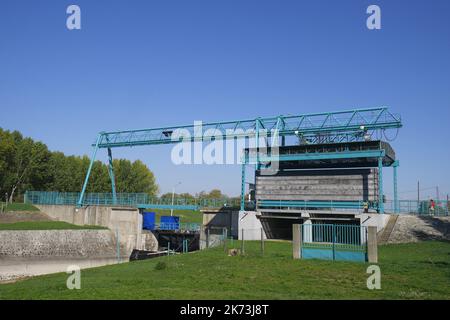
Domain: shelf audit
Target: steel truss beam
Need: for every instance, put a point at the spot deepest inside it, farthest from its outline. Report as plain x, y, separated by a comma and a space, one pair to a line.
341, 126
338, 126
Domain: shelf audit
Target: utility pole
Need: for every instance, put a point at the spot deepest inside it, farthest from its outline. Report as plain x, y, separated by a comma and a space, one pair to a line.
173, 195
418, 191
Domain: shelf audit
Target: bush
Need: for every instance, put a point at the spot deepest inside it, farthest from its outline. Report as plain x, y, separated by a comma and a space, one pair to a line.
161, 265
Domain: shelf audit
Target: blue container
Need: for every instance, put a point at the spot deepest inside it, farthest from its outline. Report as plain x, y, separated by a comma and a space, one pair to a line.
169, 223
148, 220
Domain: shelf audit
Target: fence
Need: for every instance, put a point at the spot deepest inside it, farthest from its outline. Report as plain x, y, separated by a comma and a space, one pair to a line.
127, 199
404, 206
421, 207
251, 242
334, 242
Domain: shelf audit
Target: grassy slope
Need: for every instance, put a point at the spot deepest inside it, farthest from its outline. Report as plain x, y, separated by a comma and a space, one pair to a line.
19, 207
409, 271
186, 216
44, 225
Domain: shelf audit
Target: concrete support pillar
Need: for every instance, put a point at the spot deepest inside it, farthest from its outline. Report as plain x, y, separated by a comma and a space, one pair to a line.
380, 185
372, 246
296, 241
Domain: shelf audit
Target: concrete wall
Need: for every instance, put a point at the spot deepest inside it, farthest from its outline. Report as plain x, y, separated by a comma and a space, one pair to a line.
374, 220
320, 185
148, 241
251, 225
124, 222
25, 253
234, 221
220, 218
57, 243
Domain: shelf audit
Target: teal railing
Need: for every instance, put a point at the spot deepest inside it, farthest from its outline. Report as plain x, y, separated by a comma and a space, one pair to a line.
404, 206
125, 199
144, 200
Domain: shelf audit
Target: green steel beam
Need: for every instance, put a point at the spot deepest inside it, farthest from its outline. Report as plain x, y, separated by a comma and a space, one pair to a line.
86, 180
316, 156
243, 187
334, 126
396, 203
167, 206
111, 175
380, 186
341, 126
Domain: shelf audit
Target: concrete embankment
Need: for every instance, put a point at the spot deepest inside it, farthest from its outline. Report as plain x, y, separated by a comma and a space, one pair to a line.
413, 228
33, 252
125, 222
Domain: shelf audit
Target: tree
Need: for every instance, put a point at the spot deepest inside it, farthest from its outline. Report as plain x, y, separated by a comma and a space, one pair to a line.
215, 194
134, 177
29, 165
26, 166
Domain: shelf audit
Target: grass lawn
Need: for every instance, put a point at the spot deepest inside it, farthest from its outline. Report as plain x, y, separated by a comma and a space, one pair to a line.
44, 225
408, 271
186, 216
18, 207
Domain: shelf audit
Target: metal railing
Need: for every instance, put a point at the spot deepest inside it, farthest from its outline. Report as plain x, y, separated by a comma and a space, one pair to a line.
306, 204
127, 199
422, 207
167, 226
334, 242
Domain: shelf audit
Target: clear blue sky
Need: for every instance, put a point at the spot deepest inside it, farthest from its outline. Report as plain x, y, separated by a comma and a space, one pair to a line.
137, 64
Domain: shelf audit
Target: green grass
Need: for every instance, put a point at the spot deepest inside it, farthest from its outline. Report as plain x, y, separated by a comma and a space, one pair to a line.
186, 216
18, 207
408, 271
44, 225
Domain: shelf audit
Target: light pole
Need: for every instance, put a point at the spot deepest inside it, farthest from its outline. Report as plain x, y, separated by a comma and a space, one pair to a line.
173, 194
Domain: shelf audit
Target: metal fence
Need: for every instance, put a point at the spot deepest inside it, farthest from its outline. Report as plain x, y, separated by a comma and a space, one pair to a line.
334, 242
422, 207
180, 227
251, 242
126, 199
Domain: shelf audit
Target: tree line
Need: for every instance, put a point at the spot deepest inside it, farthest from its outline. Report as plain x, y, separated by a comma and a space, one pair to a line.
26, 164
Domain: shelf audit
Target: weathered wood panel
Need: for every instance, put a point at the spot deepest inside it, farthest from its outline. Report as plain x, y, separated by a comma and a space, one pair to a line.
320, 185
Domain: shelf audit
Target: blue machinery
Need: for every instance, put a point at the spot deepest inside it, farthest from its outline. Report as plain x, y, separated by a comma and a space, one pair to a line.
317, 128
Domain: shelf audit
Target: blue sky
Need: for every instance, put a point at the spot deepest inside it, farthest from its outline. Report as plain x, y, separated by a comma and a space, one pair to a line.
138, 64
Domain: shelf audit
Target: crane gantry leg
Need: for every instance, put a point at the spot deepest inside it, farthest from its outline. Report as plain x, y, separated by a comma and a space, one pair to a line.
86, 180
111, 175
396, 202
380, 186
